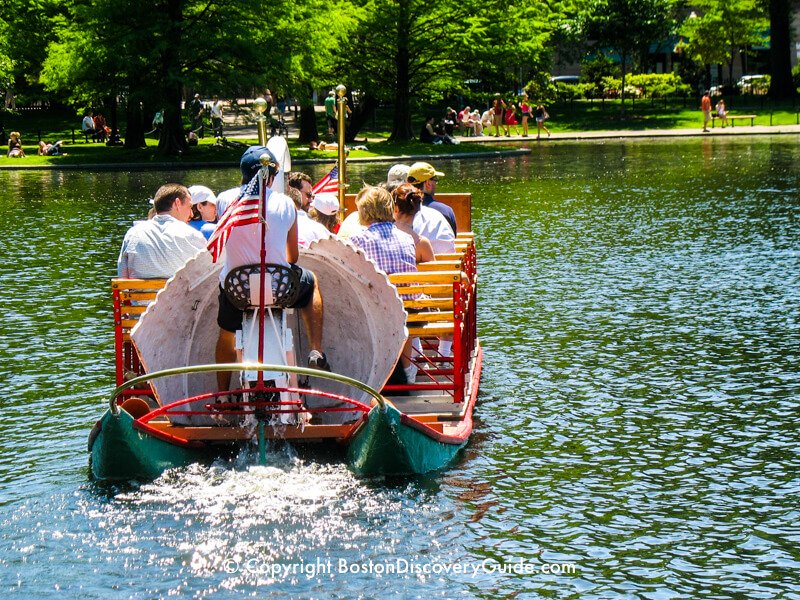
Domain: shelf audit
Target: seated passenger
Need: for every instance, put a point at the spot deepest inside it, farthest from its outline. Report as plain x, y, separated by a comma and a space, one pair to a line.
392, 250
281, 242
204, 210
407, 202
158, 247
308, 230
324, 210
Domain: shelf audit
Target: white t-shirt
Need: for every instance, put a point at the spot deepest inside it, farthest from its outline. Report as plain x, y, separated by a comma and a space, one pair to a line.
432, 224
88, 123
244, 243
309, 230
157, 248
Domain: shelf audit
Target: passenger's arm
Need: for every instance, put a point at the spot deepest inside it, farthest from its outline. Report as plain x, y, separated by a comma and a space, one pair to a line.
292, 250
424, 250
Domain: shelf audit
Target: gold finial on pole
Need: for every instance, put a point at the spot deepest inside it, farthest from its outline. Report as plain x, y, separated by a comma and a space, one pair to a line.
341, 90
260, 106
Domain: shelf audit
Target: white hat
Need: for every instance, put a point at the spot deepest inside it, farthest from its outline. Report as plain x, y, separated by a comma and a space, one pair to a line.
201, 193
327, 204
398, 174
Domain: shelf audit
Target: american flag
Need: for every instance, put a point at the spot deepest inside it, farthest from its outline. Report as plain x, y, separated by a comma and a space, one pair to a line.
328, 184
242, 211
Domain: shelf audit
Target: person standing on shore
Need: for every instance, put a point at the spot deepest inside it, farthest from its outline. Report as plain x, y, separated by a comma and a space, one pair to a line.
541, 116
705, 106
216, 117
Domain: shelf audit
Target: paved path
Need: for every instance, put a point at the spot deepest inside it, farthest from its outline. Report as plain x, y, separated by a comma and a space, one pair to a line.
243, 127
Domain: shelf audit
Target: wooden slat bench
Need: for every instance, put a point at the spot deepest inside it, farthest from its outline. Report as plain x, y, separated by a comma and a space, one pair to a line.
732, 119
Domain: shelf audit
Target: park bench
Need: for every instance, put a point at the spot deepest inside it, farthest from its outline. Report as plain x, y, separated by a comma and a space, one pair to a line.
732, 119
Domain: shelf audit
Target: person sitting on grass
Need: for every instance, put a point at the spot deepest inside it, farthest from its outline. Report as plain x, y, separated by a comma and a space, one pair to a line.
46, 149
15, 146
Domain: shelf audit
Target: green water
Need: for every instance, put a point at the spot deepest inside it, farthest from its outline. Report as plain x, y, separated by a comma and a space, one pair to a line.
638, 418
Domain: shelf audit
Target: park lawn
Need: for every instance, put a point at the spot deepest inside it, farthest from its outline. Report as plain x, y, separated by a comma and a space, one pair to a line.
640, 115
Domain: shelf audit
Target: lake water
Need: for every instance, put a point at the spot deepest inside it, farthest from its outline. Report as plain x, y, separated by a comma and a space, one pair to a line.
638, 428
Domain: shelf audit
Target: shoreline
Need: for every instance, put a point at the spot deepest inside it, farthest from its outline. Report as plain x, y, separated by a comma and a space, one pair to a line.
583, 136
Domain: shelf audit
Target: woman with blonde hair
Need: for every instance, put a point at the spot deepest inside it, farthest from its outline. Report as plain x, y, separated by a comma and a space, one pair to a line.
15, 146
392, 250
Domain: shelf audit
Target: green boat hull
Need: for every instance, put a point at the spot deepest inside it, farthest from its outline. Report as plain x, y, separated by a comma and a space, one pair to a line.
120, 452
385, 445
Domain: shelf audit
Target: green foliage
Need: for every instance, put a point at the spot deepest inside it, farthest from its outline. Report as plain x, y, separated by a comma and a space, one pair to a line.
719, 29
541, 90
594, 68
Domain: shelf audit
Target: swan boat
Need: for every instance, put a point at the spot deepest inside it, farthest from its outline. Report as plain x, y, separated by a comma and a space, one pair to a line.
166, 410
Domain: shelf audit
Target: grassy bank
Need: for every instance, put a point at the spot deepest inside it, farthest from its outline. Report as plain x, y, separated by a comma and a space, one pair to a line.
566, 117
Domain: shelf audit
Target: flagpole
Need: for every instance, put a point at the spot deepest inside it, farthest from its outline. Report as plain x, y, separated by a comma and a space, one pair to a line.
260, 106
341, 90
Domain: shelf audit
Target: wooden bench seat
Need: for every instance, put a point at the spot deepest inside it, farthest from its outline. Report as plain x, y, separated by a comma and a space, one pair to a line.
732, 119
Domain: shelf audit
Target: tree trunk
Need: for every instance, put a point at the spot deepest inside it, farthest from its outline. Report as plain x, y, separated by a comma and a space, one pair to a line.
781, 86
172, 140
401, 121
308, 117
134, 133
360, 116
114, 137
622, 85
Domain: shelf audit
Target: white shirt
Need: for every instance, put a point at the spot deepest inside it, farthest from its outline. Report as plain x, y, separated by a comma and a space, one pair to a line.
225, 198
216, 109
88, 123
157, 248
309, 230
432, 224
244, 243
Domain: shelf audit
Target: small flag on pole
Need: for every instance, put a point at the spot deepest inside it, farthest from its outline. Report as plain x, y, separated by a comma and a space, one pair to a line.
242, 211
328, 184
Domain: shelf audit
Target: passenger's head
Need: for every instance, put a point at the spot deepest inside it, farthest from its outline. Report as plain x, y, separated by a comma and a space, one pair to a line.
173, 199
296, 197
325, 209
302, 183
424, 176
407, 199
397, 174
375, 205
251, 163
204, 203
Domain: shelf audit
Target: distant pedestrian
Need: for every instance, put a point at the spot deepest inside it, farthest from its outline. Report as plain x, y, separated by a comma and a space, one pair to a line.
498, 112
525, 109
541, 116
330, 112
196, 110
705, 106
216, 117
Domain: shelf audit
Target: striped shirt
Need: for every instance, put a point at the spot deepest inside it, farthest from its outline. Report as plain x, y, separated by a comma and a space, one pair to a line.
388, 247
157, 248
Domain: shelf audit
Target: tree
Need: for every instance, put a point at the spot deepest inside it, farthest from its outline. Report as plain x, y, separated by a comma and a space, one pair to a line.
781, 85
724, 29
628, 27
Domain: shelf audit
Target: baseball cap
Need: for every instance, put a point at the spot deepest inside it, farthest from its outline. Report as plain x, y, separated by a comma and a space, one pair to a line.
250, 163
422, 171
201, 193
327, 204
398, 174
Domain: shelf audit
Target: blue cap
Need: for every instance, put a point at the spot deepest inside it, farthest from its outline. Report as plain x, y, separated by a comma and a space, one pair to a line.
251, 163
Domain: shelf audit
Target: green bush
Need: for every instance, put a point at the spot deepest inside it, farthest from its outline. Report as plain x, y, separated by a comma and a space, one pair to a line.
596, 68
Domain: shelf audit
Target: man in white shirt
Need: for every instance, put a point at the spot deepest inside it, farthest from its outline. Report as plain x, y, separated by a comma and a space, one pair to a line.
281, 244
158, 247
216, 116
428, 222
